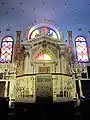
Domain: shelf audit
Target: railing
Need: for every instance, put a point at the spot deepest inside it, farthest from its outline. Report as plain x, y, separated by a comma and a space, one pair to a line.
25, 86
43, 73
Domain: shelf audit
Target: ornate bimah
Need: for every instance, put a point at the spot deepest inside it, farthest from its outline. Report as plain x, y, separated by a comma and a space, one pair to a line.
42, 64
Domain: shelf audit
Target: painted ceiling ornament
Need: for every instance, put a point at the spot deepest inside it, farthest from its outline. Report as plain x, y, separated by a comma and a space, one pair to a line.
89, 32
8, 27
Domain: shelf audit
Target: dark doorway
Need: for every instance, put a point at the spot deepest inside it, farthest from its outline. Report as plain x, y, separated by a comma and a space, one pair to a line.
2, 89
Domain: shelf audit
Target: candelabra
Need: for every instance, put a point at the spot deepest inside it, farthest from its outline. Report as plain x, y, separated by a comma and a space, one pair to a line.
9, 69
77, 69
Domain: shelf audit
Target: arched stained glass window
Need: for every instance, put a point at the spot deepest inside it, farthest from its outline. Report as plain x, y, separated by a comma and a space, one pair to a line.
50, 32
43, 56
6, 49
81, 49
46, 28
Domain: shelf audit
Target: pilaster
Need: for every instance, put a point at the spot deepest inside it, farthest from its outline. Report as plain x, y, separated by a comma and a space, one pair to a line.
26, 64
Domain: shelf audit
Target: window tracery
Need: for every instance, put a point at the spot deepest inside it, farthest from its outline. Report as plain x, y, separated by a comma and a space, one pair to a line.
81, 49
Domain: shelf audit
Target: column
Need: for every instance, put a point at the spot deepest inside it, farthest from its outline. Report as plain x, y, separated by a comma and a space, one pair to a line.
29, 64
79, 70
54, 88
11, 90
74, 85
33, 90
58, 62
80, 86
26, 64
6, 88
62, 64
6, 84
29, 60
63, 80
54, 67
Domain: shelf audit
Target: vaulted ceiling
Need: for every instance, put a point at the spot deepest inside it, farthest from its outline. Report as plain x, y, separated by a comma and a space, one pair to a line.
73, 15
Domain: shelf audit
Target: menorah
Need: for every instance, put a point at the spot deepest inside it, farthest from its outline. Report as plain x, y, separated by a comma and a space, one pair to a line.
76, 69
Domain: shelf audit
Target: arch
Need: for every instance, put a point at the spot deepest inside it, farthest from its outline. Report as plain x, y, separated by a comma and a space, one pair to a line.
47, 30
65, 93
6, 49
36, 30
47, 53
61, 93
81, 49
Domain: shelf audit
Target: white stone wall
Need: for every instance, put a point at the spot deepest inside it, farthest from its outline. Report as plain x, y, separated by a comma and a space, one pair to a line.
24, 88
63, 83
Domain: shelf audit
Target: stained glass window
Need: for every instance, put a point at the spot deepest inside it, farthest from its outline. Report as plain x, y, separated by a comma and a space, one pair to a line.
43, 56
6, 49
81, 49
46, 28
37, 32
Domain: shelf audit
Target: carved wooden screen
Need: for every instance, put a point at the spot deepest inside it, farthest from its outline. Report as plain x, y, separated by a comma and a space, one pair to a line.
44, 86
